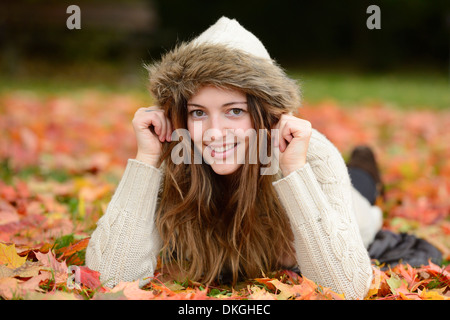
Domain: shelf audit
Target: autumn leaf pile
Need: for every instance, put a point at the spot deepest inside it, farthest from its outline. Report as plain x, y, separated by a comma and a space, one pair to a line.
61, 157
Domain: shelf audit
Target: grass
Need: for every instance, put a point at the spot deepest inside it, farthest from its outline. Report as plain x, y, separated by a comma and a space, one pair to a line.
406, 90
402, 90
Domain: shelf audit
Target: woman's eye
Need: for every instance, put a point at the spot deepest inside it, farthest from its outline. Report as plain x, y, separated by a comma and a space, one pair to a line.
236, 111
197, 113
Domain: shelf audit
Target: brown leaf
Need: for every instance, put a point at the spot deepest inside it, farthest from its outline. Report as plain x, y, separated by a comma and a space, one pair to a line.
27, 270
6, 272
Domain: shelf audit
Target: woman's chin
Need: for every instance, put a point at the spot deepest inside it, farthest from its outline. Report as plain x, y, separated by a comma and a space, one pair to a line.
224, 169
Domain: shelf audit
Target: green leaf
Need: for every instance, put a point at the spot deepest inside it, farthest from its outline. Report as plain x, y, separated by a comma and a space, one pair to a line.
394, 283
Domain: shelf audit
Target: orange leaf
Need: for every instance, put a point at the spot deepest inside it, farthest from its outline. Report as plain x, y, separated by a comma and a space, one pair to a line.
132, 291
267, 282
76, 247
408, 273
440, 273
307, 289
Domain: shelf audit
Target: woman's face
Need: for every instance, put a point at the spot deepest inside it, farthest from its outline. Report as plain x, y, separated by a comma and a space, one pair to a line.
218, 122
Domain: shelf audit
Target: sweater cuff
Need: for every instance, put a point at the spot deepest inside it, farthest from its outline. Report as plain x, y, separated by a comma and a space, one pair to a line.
301, 195
138, 189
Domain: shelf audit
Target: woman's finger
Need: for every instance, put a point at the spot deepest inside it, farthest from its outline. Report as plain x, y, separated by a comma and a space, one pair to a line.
285, 132
281, 141
169, 130
163, 126
154, 117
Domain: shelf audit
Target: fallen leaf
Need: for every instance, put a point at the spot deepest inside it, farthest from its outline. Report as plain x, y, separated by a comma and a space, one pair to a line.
439, 273
55, 295
6, 272
132, 291
258, 293
9, 257
9, 288
27, 270
49, 260
57, 270
285, 291
433, 295
33, 284
74, 248
87, 277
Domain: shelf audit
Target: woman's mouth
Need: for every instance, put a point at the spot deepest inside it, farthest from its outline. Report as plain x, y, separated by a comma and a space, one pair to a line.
222, 151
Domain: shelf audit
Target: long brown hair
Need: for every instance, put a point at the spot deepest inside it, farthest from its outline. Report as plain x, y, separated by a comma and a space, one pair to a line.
211, 224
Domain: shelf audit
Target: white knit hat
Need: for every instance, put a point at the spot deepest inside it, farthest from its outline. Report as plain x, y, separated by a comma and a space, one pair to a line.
232, 34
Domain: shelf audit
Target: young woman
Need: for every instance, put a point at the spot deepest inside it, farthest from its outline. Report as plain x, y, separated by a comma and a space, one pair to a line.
199, 201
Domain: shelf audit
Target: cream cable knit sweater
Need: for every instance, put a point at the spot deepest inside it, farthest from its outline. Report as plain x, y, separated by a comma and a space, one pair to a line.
318, 199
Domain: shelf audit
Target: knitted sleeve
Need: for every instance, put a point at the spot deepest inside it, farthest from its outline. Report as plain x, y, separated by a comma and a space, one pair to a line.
125, 245
318, 201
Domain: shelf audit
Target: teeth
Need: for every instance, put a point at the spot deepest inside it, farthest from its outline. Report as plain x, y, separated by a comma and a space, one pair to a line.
222, 149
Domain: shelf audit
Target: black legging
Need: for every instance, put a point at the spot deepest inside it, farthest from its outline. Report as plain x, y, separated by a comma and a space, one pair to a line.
389, 247
364, 183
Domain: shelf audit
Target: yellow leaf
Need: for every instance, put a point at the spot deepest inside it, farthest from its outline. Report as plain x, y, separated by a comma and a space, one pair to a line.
286, 291
372, 291
258, 293
432, 295
9, 256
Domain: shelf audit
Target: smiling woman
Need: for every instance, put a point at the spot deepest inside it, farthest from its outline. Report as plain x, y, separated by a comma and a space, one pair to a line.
224, 218
213, 122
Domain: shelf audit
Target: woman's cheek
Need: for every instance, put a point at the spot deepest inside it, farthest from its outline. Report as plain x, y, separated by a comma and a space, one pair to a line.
196, 131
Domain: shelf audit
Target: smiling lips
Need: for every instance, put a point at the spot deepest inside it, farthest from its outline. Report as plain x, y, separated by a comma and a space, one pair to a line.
222, 150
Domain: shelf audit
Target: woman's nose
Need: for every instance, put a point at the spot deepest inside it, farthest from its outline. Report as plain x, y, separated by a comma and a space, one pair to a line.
217, 128
215, 122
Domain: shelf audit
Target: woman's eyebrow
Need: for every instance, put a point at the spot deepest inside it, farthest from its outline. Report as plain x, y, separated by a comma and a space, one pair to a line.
224, 105
195, 105
234, 102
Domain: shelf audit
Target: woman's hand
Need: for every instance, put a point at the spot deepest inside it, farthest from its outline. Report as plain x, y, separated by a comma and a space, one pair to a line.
293, 142
151, 128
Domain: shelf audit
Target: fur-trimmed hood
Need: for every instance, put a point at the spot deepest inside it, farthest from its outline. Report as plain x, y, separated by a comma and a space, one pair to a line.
183, 70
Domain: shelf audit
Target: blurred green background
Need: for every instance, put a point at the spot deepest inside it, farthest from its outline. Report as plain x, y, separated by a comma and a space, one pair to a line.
324, 44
